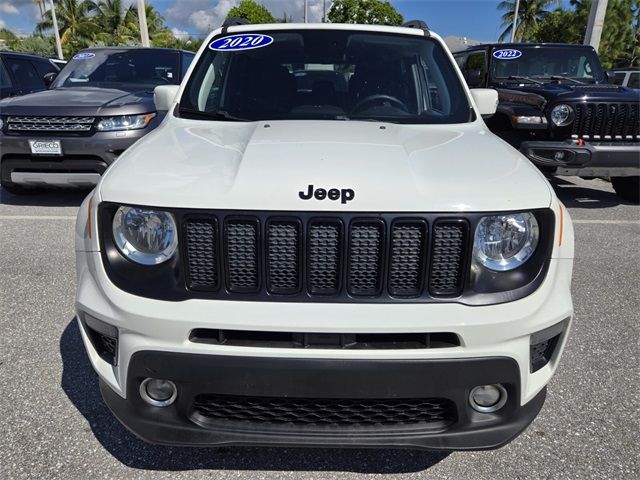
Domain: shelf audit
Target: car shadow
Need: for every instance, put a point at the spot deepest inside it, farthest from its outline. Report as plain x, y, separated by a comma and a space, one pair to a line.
45, 198
582, 196
80, 384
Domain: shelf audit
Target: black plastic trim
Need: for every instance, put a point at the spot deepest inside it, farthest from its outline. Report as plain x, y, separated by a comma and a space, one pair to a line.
324, 340
450, 379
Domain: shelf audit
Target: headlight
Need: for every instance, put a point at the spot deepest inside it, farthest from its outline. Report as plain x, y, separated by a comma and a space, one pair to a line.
1, 123
562, 115
145, 236
504, 242
124, 122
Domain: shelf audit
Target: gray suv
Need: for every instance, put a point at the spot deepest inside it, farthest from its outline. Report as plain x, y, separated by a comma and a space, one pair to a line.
97, 106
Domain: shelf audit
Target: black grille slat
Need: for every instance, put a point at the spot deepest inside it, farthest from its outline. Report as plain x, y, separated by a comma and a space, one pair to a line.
324, 252
366, 247
407, 262
202, 254
448, 253
283, 256
606, 121
324, 412
241, 249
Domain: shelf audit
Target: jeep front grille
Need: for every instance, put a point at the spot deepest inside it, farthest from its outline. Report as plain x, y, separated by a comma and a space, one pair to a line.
607, 121
50, 124
326, 257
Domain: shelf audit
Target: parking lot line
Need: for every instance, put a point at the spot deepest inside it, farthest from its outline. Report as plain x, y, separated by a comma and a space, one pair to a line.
609, 222
37, 217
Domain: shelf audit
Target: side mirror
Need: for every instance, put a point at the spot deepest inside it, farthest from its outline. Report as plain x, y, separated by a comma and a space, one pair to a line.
486, 100
164, 95
474, 78
49, 78
610, 75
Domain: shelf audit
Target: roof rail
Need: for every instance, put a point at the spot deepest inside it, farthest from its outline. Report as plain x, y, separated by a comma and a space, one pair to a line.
417, 24
232, 21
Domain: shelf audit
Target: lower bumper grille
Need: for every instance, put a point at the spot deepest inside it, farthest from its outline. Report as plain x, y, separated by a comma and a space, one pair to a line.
424, 413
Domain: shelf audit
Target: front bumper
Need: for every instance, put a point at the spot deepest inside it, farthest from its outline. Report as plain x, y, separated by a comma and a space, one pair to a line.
82, 162
613, 159
154, 341
457, 427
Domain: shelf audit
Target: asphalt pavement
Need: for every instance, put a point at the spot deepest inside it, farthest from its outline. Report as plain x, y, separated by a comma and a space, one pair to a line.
53, 423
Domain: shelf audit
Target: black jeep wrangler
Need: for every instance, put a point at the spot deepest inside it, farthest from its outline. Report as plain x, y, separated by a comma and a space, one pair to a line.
558, 108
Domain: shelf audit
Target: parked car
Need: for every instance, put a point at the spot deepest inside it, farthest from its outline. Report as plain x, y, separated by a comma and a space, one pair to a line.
558, 108
21, 73
96, 108
627, 77
290, 261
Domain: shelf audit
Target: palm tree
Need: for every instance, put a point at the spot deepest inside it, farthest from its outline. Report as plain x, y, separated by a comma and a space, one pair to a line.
75, 25
530, 13
116, 22
41, 6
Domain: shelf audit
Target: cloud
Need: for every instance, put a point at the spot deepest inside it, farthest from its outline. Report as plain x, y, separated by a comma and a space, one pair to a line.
179, 33
2, 24
8, 8
202, 16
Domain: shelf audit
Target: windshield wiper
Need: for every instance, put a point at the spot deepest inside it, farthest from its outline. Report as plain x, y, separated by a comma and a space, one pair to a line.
215, 115
562, 77
527, 79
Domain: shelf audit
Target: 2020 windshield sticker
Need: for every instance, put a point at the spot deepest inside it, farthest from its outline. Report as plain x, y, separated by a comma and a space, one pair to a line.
507, 54
242, 41
84, 56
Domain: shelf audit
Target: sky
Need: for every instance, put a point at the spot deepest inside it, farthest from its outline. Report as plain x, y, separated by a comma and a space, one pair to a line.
475, 19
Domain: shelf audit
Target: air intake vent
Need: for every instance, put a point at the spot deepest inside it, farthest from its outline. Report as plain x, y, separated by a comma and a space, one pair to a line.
241, 248
284, 245
324, 412
366, 247
325, 245
448, 257
202, 254
408, 248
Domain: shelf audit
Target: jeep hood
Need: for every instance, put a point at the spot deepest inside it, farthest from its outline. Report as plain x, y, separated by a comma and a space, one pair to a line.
264, 166
86, 101
565, 92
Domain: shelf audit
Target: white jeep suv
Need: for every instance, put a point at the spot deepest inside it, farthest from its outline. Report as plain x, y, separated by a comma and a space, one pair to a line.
323, 244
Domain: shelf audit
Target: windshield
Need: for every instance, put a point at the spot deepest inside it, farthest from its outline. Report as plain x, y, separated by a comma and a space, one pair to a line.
124, 69
326, 74
579, 64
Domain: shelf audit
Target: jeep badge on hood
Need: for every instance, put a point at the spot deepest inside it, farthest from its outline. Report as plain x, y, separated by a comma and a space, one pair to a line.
345, 195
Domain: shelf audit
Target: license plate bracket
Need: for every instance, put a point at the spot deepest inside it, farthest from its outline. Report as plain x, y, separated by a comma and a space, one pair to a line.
46, 147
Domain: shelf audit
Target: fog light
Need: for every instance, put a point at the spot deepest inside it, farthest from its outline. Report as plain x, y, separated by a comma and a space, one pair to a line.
158, 392
558, 156
488, 398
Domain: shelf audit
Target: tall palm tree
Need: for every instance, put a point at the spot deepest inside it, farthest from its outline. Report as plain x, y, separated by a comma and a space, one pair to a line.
41, 6
529, 14
116, 22
75, 25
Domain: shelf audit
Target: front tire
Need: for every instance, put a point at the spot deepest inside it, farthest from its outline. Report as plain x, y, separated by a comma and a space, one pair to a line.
627, 188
